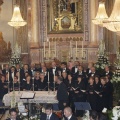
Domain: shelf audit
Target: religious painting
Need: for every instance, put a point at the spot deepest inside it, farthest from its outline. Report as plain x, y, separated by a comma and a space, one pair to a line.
65, 16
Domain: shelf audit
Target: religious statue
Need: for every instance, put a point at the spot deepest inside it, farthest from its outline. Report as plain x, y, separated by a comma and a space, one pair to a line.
101, 48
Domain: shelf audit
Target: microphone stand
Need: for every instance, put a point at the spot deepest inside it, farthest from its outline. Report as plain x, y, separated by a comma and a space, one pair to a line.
8, 87
33, 83
48, 87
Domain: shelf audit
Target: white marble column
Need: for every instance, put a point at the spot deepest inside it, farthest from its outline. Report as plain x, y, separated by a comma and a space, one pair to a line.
35, 23
93, 27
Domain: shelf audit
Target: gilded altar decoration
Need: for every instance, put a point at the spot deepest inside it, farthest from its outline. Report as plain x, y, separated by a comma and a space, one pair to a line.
65, 16
5, 49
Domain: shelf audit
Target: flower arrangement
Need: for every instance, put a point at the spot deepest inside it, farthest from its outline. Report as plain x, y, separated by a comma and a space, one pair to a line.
101, 63
16, 55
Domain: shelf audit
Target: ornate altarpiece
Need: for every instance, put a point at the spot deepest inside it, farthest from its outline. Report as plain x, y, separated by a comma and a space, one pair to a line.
50, 17
65, 16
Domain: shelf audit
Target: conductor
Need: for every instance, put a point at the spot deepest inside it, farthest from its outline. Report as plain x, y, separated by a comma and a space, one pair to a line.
62, 95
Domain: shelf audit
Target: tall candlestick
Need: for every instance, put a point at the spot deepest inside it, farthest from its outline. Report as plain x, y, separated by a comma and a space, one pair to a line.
55, 49
82, 48
8, 76
19, 80
76, 48
44, 49
8, 83
49, 49
48, 77
33, 83
13, 81
48, 83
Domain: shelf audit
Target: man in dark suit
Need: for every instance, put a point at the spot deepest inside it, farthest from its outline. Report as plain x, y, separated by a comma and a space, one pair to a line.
54, 70
93, 72
62, 94
49, 115
107, 72
75, 68
68, 114
6, 70
13, 115
64, 68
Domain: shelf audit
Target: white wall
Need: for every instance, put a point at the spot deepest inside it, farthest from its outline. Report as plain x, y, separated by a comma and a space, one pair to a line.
5, 16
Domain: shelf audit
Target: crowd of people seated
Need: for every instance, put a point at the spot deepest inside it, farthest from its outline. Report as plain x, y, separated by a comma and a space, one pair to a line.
80, 84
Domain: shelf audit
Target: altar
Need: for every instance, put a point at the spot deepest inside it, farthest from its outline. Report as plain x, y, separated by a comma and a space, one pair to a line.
40, 97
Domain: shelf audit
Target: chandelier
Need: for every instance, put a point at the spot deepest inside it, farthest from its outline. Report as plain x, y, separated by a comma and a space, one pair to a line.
113, 22
101, 15
17, 20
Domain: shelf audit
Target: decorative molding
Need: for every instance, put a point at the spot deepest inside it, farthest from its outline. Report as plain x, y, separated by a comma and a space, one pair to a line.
86, 20
43, 20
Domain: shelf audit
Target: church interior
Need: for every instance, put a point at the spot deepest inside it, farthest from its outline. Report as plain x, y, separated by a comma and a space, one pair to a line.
47, 46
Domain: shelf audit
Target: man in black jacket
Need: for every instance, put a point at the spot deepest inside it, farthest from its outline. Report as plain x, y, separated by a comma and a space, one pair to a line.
68, 114
49, 115
13, 115
62, 94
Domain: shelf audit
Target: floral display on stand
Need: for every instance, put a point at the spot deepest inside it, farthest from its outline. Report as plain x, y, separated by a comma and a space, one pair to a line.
102, 58
113, 114
15, 58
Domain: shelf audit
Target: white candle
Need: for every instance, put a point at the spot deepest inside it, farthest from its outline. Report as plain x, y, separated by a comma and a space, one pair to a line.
8, 76
55, 49
48, 77
13, 81
82, 48
76, 48
44, 48
70, 49
49, 49
2, 66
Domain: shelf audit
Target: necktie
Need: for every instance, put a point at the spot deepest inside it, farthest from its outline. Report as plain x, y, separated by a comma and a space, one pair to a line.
47, 117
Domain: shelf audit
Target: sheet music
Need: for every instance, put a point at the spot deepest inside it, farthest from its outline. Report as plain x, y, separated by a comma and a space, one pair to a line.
27, 95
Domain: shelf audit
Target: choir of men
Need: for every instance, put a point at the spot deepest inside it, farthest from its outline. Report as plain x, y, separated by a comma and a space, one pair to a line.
72, 85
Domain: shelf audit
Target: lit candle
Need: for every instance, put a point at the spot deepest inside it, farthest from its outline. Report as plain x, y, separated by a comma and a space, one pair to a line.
49, 49
55, 49
48, 77
76, 48
82, 48
44, 48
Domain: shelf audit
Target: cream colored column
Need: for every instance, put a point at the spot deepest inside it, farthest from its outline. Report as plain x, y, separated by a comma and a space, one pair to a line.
93, 28
35, 23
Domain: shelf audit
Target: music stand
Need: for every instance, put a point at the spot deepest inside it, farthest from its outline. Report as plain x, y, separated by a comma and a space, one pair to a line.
55, 107
82, 106
28, 95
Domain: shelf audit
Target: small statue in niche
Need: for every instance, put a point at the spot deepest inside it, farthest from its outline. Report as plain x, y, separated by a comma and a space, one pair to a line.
101, 48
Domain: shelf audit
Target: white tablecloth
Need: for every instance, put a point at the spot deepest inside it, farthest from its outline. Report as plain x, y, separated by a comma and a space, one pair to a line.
40, 97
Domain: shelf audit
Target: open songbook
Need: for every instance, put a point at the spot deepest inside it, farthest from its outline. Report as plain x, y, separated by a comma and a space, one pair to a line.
27, 95
75, 89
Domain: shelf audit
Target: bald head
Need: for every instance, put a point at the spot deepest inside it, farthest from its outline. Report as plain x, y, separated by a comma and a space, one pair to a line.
67, 112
